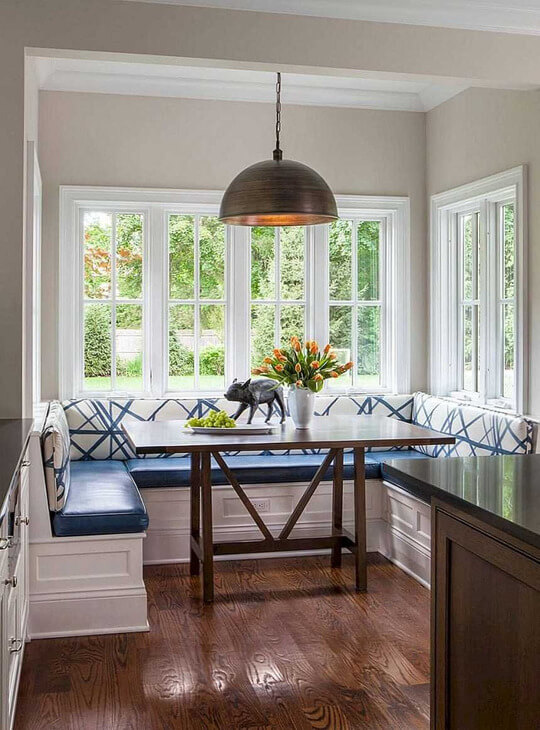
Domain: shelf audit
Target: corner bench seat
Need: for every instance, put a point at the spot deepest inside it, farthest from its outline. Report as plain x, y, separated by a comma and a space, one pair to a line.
102, 499
93, 478
258, 469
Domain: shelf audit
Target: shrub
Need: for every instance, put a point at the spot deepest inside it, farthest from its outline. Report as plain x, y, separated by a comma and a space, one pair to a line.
97, 341
212, 360
180, 358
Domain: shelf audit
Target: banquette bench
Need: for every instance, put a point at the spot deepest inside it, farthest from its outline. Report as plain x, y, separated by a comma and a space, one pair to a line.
93, 477
98, 512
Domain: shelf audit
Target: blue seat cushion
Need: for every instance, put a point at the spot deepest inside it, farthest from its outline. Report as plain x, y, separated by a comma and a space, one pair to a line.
254, 469
381, 457
103, 499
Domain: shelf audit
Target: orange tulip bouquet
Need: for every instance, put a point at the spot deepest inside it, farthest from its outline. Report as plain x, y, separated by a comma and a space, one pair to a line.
304, 369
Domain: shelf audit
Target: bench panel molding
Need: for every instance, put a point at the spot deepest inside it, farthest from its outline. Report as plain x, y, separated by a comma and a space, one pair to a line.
82, 586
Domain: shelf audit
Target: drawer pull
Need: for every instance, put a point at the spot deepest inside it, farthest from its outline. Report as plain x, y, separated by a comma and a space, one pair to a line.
22, 520
15, 645
11, 581
5, 543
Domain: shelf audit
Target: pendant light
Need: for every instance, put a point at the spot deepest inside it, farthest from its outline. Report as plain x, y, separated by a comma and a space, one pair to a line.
278, 192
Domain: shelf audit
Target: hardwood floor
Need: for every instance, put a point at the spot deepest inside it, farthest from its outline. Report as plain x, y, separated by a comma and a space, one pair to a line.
286, 645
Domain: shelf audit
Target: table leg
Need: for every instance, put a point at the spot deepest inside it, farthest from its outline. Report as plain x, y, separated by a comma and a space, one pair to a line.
195, 509
207, 530
360, 518
337, 505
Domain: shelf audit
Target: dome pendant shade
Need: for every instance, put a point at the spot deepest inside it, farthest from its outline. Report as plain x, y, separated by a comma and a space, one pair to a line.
278, 193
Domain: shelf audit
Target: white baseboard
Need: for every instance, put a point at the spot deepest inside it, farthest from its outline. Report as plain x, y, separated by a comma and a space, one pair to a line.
407, 554
64, 615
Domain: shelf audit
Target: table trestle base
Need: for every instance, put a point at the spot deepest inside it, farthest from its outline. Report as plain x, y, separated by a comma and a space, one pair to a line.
202, 545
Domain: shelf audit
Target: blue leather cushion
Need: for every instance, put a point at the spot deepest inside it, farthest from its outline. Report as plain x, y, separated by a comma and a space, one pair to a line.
255, 469
102, 500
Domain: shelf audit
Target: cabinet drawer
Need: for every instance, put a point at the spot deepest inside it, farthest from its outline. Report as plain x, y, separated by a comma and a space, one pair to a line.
14, 641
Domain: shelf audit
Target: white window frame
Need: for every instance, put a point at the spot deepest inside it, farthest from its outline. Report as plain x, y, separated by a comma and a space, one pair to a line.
156, 205
486, 195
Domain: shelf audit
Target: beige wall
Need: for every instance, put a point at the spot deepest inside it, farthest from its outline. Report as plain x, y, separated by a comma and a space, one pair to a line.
246, 37
481, 132
99, 139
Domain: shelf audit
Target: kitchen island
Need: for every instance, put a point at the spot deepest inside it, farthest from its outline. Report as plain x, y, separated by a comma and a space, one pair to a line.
485, 634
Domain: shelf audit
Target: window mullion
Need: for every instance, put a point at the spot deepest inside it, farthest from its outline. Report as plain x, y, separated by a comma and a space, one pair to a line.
239, 297
488, 299
277, 264
317, 295
155, 295
196, 310
113, 303
354, 295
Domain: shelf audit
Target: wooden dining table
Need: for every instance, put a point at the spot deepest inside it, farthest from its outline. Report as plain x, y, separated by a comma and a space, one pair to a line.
332, 433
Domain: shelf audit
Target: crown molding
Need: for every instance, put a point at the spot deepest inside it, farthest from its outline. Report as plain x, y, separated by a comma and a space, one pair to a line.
507, 16
192, 82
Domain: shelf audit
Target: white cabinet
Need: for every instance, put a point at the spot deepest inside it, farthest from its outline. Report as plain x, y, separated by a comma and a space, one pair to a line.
13, 594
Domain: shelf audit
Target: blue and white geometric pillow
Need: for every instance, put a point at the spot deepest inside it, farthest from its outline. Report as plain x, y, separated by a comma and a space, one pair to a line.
96, 424
55, 446
478, 431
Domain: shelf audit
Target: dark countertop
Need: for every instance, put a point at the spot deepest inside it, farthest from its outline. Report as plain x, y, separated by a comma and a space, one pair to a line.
14, 435
503, 491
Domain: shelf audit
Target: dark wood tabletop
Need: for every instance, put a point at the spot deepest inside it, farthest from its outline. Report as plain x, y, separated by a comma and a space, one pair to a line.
158, 437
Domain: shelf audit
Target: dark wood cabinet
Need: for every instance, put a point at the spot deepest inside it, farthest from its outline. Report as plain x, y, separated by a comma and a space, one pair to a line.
485, 626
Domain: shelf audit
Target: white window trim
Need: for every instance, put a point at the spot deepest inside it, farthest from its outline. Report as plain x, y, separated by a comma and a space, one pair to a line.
153, 203
443, 283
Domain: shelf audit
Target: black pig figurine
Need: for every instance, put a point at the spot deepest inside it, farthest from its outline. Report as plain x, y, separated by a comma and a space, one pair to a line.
254, 392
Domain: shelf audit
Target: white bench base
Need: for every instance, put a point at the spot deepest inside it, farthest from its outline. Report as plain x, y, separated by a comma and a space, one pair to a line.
168, 510
398, 524
87, 585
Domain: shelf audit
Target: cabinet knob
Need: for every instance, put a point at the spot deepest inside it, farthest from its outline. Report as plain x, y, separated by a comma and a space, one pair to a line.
11, 581
15, 645
26, 462
22, 520
5, 543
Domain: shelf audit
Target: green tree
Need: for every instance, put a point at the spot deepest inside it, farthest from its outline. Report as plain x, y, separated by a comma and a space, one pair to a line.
97, 340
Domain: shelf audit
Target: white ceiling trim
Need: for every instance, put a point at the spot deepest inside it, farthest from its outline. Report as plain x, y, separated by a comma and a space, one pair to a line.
507, 16
192, 82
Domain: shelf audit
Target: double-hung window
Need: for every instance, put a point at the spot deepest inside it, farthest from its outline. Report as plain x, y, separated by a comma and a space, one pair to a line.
158, 297
277, 288
197, 302
357, 301
478, 292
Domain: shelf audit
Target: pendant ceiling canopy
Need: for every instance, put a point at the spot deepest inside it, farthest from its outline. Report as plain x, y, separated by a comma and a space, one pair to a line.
278, 192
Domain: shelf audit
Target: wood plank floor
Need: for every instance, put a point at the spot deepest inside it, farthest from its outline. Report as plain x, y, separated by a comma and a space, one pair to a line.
287, 645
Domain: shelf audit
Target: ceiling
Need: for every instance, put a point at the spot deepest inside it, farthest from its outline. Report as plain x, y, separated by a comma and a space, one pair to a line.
511, 16
199, 82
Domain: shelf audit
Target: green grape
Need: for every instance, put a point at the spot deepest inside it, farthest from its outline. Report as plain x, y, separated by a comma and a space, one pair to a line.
215, 419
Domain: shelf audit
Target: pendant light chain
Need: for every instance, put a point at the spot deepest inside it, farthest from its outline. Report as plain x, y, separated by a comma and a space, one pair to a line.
277, 152
278, 192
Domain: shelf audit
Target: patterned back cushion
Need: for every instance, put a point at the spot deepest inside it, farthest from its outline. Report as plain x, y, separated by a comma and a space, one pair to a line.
478, 431
56, 454
393, 406
96, 425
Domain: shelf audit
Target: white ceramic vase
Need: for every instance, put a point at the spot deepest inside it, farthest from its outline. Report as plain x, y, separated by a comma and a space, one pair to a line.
301, 406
